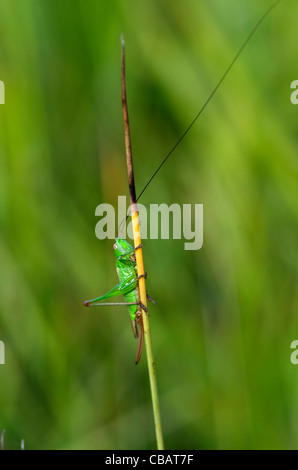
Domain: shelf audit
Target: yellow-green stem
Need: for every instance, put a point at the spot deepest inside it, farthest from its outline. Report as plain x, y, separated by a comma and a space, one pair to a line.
139, 262
147, 333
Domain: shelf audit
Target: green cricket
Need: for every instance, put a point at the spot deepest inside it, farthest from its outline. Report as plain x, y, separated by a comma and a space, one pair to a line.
124, 252
128, 287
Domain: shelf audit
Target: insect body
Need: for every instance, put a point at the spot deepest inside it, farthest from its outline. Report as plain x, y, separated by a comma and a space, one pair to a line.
128, 286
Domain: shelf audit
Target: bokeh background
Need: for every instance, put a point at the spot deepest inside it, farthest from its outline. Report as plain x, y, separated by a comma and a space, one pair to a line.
225, 315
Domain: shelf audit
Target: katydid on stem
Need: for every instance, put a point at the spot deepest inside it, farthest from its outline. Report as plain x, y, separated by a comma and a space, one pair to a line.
128, 287
125, 257
126, 260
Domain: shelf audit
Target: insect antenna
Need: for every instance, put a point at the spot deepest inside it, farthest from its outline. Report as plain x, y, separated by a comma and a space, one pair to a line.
219, 83
267, 12
121, 226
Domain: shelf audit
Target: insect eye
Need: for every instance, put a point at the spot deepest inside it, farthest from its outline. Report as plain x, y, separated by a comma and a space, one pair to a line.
115, 246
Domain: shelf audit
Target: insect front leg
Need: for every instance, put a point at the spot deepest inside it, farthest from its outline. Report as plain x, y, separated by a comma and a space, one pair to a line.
142, 275
130, 251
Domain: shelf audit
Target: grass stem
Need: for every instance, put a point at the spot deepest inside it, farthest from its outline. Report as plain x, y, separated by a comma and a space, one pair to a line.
139, 261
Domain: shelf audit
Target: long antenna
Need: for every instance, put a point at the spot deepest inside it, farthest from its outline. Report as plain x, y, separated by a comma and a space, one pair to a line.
268, 11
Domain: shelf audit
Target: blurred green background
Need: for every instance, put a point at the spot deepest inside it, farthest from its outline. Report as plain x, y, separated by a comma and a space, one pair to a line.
225, 315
